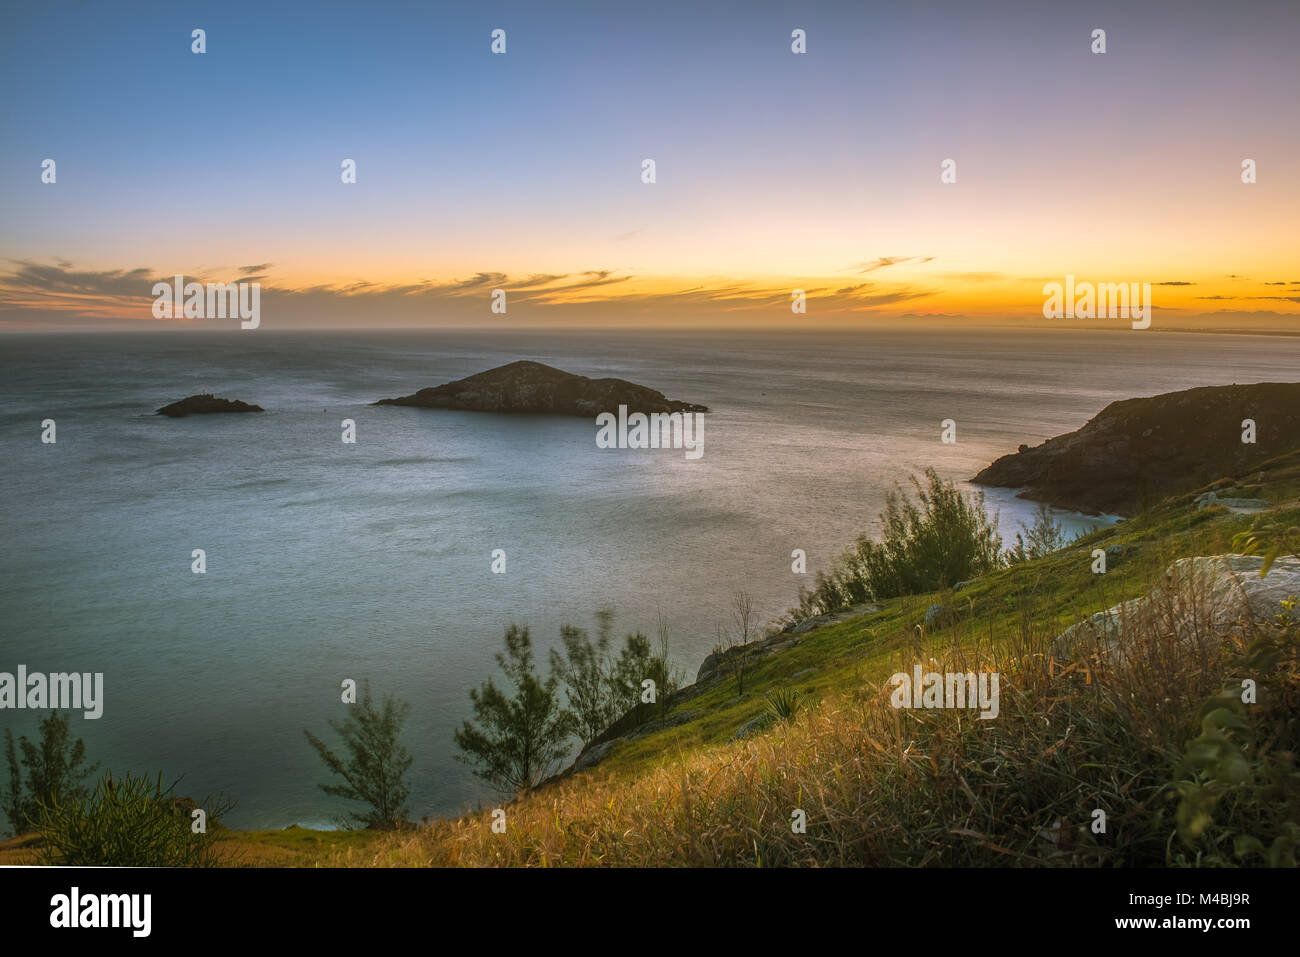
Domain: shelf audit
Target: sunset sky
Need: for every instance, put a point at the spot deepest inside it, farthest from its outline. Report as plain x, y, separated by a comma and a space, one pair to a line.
522, 171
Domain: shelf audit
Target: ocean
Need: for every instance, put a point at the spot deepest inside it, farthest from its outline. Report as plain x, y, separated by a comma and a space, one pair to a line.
372, 561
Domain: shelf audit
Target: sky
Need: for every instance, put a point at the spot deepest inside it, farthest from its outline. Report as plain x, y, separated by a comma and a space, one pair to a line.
774, 171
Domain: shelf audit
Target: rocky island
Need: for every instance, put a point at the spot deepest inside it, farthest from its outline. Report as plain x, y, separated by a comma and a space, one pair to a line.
1138, 451
204, 404
526, 386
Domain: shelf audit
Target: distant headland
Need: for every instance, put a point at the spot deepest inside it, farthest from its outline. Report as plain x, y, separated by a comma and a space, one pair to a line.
1138, 451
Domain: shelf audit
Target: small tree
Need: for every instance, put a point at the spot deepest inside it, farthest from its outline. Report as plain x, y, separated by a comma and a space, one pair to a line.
518, 741
55, 771
625, 677
376, 764
584, 668
732, 647
1042, 538
744, 617
668, 680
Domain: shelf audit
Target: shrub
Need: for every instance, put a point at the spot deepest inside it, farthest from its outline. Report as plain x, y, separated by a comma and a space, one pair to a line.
127, 822
939, 539
783, 704
1236, 785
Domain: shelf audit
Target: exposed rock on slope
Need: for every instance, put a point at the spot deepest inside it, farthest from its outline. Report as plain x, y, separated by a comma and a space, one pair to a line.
533, 387
205, 404
1195, 603
1141, 450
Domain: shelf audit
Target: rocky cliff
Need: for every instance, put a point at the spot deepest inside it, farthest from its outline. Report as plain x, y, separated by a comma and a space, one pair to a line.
1138, 451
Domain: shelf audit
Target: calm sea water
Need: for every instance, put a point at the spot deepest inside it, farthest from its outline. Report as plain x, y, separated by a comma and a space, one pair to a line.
372, 561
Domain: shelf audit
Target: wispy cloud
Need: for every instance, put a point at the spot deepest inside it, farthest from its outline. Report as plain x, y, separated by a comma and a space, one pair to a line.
882, 262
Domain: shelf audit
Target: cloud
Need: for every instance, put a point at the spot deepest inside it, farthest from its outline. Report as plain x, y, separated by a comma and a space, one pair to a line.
887, 298
1176, 283
33, 288
260, 267
62, 279
1255, 298
480, 280
881, 262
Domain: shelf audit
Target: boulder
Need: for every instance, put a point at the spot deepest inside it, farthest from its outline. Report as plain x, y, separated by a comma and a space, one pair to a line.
753, 726
594, 754
808, 624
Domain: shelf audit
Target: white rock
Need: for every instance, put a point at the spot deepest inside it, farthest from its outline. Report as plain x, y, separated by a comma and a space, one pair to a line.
1197, 600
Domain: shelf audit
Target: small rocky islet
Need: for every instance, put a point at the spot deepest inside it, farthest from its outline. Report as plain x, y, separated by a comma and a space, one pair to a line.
517, 387
527, 386
205, 404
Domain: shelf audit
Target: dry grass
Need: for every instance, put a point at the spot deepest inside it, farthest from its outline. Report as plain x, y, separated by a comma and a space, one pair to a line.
884, 787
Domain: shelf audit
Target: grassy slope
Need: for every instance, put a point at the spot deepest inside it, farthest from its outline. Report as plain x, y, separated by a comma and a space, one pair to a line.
1056, 592
636, 806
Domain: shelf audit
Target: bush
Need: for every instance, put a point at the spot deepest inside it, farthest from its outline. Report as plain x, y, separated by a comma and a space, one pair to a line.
783, 704
126, 822
934, 542
1237, 782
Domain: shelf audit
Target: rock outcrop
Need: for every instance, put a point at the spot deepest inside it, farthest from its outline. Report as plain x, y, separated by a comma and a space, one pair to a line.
205, 404
533, 387
1138, 451
1195, 603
